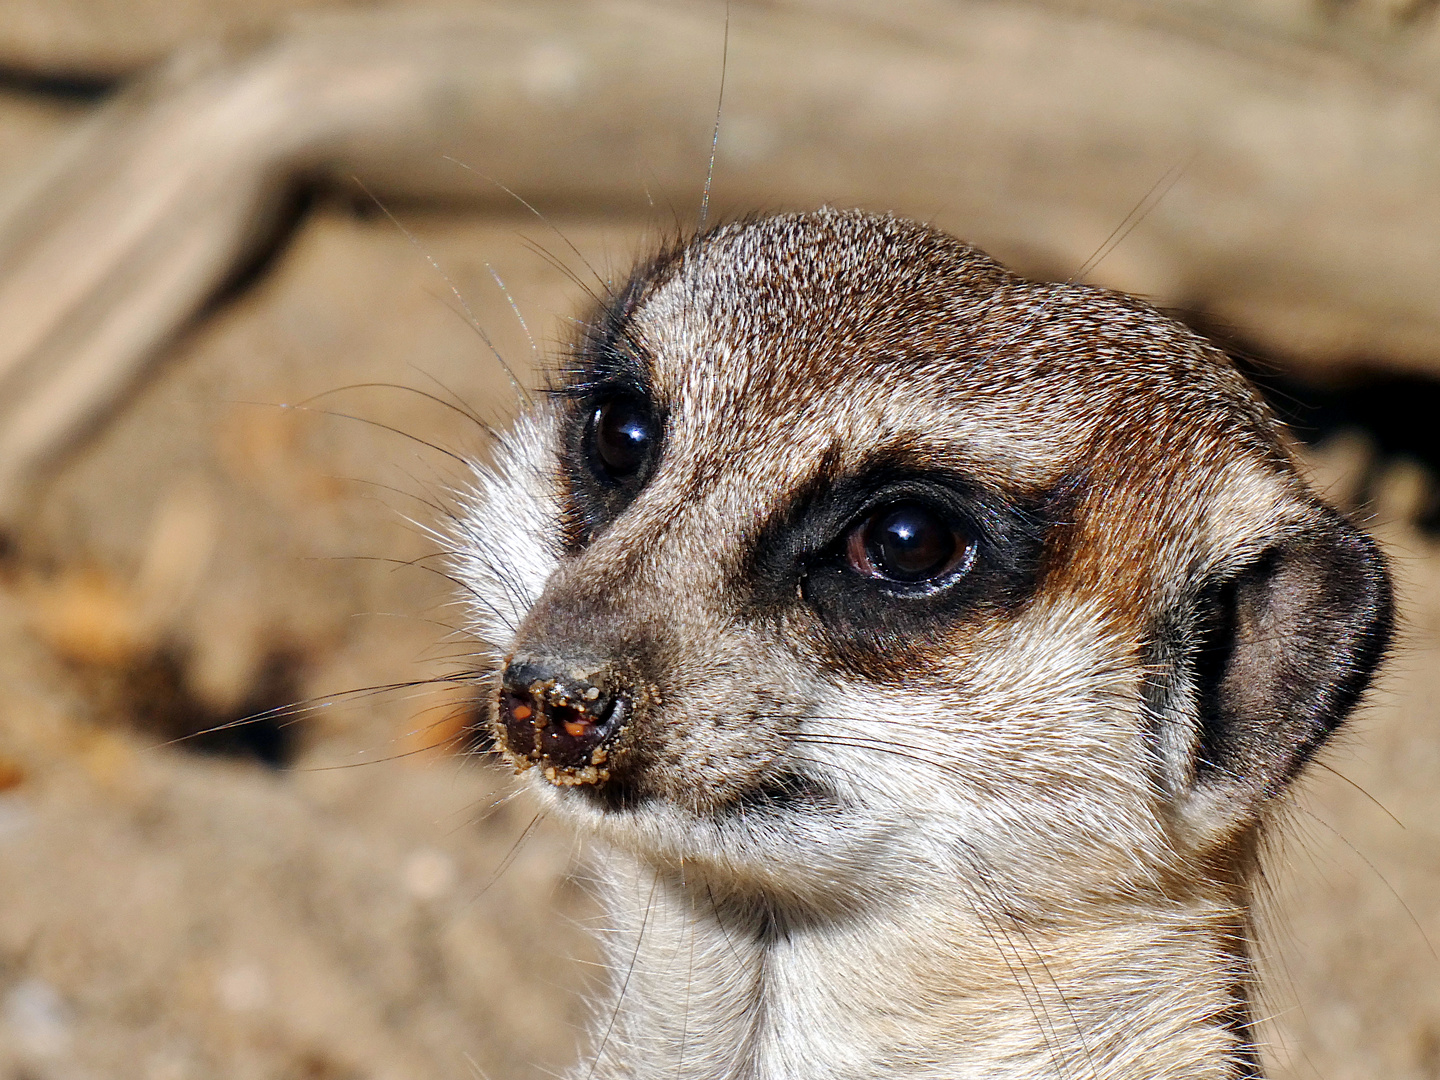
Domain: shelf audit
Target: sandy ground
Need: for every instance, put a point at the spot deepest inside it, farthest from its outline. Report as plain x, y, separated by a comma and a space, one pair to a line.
378, 907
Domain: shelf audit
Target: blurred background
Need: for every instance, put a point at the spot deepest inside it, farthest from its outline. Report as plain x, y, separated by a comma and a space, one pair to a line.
258, 259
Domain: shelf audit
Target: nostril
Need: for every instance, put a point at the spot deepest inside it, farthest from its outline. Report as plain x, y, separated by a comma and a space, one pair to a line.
575, 723
519, 713
576, 733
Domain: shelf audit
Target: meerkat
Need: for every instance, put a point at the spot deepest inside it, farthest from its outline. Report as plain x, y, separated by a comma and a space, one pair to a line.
923, 651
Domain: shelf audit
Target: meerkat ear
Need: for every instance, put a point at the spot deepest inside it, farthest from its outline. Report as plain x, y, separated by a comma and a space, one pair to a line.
1285, 649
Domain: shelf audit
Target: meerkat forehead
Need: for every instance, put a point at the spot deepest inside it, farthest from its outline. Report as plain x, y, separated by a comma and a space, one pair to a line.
794, 350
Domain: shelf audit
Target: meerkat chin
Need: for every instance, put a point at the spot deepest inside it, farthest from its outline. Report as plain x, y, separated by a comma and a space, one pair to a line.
924, 648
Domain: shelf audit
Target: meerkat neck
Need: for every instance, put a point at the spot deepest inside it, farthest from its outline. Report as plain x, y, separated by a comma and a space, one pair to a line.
705, 987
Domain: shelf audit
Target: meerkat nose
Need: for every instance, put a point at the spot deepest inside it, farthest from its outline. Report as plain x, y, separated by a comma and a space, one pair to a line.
550, 713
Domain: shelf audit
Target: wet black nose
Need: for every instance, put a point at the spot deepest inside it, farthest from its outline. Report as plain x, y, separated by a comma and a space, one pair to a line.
561, 715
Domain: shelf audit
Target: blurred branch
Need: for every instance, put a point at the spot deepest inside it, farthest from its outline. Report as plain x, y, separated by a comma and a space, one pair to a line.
1309, 212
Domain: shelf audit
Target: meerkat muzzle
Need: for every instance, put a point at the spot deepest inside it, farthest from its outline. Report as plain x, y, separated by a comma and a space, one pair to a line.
565, 720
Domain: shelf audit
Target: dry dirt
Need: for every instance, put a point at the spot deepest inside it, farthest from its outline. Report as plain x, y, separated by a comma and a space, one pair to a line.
339, 893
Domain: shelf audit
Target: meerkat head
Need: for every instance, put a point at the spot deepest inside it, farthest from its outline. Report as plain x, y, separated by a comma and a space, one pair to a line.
841, 561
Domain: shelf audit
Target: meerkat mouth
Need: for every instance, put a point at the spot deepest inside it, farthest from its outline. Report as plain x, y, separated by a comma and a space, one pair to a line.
786, 792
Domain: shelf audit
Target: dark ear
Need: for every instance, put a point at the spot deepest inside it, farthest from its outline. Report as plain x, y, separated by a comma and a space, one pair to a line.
1283, 652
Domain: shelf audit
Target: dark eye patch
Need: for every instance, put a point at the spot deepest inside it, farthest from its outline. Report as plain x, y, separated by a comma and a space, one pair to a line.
957, 551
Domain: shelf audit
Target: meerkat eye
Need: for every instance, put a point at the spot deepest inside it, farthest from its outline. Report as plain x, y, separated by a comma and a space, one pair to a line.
907, 542
622, 435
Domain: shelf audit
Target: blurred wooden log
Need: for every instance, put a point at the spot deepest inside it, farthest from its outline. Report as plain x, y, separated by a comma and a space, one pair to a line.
1308, 212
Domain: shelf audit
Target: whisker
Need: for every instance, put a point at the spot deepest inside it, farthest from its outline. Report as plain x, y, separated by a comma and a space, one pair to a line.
625, 985
534, 210
544, 253
454, 291
1371, 798
510, 856
1409, 914
294, 712
520, 318
1137, 214
450, 405
719, 106
378, 424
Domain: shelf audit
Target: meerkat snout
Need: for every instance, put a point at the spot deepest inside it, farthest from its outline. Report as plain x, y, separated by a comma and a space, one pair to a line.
563, 715
924, 646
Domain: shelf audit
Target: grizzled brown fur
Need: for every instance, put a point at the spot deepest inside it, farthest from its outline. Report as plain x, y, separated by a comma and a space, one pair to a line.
922, 649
